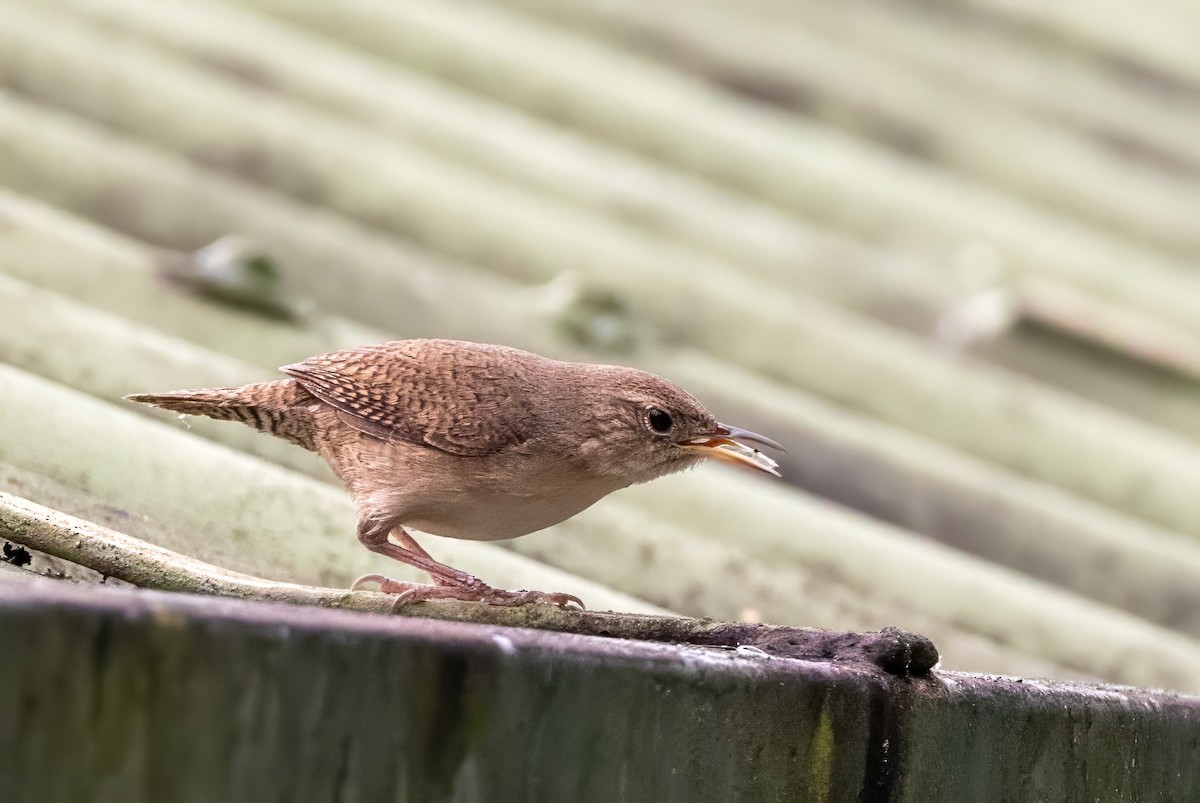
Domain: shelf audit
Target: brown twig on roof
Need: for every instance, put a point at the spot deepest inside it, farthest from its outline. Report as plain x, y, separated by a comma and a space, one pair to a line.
146, 565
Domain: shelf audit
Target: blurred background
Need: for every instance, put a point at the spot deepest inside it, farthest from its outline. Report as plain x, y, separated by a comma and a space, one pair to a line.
945, 252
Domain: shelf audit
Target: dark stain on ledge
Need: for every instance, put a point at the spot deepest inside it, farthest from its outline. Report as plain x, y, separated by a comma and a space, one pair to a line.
446, 740
886, 742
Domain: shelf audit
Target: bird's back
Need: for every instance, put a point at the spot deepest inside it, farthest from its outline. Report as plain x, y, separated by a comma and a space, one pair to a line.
465, 399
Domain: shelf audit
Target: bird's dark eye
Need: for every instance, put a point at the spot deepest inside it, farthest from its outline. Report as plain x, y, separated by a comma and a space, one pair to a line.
659, 420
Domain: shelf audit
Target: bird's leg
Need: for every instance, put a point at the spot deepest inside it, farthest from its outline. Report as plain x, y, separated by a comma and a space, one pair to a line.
375, 537
448, 582
452, 576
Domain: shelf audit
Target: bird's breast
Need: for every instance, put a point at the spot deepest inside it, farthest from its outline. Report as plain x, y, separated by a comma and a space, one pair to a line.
485, 498
496, 513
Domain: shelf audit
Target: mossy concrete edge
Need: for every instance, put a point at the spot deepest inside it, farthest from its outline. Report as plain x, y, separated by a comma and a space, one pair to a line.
137, 695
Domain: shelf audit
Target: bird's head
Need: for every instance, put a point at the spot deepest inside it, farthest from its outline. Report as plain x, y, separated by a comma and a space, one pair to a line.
643, 427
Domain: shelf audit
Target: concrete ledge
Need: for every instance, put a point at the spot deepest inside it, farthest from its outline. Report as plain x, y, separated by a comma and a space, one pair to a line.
118, 695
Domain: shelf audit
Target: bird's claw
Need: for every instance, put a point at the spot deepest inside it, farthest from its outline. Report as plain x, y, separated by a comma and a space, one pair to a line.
499, 596
470, 589
371, 578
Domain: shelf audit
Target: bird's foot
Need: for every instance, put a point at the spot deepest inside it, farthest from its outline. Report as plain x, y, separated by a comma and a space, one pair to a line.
467, 588
500, 596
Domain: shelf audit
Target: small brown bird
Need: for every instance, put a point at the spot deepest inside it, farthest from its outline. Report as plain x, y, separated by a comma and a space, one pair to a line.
474, 441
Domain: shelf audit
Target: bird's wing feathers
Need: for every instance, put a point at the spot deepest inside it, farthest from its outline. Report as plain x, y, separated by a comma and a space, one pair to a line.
460, 399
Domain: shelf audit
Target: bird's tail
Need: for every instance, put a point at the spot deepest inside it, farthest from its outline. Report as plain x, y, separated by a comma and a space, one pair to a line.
277, 408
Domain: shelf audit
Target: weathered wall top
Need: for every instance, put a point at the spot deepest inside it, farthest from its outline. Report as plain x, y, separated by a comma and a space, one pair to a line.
116, 695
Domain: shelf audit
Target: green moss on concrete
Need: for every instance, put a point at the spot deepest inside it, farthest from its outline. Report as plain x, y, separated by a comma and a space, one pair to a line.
820, 758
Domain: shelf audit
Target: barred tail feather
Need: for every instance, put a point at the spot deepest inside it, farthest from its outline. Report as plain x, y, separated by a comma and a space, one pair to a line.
211, 402
277, 408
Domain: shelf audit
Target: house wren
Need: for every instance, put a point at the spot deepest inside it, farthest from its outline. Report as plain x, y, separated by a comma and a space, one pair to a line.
474, 441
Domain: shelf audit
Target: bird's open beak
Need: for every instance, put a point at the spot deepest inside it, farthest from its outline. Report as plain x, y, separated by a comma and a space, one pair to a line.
724, 444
